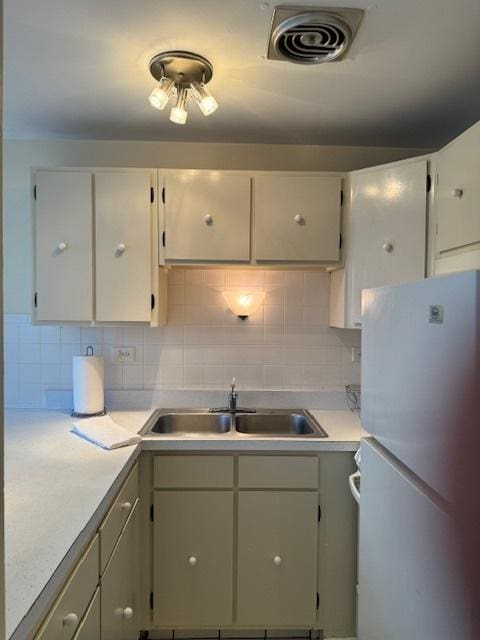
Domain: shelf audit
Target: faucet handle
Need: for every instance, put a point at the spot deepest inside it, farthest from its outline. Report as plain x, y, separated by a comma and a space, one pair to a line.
233, 384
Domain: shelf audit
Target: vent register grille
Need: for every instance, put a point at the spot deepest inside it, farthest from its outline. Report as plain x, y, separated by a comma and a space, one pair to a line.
310, 36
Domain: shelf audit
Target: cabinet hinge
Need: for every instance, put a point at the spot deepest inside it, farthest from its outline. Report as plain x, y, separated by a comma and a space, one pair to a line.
340, 241
319, 513
318, 601
152, 302
163, 239
151, 512
429, 182
163, 195
35, 299
151, 599
35, 192
152, 194
341, 197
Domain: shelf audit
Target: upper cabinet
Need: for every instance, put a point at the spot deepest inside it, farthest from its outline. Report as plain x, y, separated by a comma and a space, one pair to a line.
385, 235
297, 218
123, 234
207, 217
458, 192
63, 246
96, 249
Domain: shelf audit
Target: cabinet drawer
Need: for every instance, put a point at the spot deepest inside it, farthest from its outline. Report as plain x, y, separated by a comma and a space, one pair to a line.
181, 472
277, 472
117, 516
64, 618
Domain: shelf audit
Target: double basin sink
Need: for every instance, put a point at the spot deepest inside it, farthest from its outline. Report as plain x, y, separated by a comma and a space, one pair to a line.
264, 423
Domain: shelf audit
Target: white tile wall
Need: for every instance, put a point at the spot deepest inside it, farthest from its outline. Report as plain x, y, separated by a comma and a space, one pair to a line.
286, 345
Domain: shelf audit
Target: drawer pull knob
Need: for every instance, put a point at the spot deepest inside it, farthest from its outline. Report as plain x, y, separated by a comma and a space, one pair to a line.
208, 219
126, 506
121, 248
192, 561
61, 246
277, 560
388, 247
128, 613
299, 219
70, 620
457, 192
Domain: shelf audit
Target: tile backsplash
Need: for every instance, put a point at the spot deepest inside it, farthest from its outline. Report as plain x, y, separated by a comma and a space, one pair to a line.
286, 345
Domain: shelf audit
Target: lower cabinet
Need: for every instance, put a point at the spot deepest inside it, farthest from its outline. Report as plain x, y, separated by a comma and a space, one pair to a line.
193, 558
277, 558
119, 585
89, 628
238, 547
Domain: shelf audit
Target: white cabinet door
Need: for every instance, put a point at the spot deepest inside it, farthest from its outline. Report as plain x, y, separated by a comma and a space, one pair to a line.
207, 217
63, 246
297, 218
457, 192
386, 229
120, 586
123, 214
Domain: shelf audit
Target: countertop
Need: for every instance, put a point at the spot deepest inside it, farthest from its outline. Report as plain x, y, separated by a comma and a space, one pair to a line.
58, 488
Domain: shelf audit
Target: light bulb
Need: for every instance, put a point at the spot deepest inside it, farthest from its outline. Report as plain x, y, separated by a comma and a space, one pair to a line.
204, 98
161, 94
179, 112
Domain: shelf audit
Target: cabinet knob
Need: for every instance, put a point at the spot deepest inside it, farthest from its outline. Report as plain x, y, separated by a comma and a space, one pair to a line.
121, 248
126, 506
62, 246
192, 561
388, 247
457, 192
70, 620
277, 560
208, 219
127, 613
299, 219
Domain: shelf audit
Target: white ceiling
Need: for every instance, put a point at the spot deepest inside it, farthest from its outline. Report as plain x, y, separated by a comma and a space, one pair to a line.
79, 69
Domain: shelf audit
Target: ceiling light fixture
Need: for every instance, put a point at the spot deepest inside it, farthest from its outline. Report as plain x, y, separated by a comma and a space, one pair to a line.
181, 73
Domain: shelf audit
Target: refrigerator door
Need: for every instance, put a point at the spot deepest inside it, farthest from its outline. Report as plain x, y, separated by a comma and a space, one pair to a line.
408, 583
420, 350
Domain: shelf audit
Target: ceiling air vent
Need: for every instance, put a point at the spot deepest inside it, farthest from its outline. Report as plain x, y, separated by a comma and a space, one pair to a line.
308, 35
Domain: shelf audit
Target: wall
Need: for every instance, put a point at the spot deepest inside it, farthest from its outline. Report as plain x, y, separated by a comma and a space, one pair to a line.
21, 155
286, 345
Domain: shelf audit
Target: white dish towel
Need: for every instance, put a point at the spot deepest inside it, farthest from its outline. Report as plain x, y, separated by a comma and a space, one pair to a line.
104, 432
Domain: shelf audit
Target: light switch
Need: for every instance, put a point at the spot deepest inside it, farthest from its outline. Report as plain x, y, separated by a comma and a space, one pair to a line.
123, 354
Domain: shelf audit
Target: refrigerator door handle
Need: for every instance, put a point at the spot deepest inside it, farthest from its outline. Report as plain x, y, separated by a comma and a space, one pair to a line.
353, 486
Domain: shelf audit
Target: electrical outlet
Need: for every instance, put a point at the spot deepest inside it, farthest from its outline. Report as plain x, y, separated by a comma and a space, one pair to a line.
356, 354
123, 354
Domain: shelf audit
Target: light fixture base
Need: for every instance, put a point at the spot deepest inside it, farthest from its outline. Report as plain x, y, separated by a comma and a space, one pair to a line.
182, 66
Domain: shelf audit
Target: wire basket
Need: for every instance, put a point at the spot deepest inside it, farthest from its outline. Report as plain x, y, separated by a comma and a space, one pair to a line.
354, 394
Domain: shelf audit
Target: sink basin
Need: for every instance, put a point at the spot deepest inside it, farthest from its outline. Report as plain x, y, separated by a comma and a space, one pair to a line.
279, 424
189, 423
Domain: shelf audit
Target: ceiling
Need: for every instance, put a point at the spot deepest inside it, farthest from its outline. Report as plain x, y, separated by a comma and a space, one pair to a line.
79, 69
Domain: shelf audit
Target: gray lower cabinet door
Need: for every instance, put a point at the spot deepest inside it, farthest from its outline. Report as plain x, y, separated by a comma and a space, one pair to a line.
193, 559
277, 558
119, 586
89, 628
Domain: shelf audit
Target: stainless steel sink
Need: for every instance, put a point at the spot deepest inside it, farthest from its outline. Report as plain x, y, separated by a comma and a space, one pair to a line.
279, 423
265, 423
189, 423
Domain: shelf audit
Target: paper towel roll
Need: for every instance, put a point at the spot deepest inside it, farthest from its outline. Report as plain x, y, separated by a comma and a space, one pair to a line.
88, 391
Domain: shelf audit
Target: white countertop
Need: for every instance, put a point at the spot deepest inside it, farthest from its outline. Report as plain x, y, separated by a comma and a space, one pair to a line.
58, 487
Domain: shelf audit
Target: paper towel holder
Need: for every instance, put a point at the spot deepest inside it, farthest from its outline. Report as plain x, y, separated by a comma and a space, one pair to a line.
75, 414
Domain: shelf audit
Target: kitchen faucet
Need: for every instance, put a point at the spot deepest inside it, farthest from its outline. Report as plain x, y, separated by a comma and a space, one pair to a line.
232, 402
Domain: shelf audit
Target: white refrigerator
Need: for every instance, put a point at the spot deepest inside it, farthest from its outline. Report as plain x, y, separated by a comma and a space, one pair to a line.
420, 352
